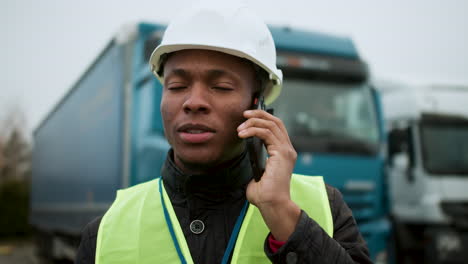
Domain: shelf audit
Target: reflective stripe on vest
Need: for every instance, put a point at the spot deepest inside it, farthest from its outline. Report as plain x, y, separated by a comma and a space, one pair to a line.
134, 230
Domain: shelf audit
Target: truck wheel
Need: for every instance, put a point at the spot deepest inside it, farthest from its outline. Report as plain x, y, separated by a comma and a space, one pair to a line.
43, 243
408, 243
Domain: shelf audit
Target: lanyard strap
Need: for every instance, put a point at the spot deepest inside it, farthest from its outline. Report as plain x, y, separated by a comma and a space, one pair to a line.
234, 234
169, 225
232, 239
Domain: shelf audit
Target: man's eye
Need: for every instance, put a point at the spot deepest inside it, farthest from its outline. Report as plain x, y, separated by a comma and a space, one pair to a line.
176, 88
222, 88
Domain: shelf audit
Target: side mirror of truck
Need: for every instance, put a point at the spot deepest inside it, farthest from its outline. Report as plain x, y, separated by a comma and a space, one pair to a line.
401, 161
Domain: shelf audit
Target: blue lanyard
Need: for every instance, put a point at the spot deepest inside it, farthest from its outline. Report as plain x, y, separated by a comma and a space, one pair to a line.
232, 239
234, 234
169, 225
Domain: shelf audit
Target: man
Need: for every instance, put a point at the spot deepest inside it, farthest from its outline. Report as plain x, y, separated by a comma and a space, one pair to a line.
215, 63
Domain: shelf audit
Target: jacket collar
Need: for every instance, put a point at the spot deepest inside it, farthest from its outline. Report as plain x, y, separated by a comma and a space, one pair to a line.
216, 183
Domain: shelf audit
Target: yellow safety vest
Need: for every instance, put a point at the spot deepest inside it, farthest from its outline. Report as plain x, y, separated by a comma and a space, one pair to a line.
134, 229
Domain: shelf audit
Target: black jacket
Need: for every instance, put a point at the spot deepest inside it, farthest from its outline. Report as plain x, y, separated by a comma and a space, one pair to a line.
217, 198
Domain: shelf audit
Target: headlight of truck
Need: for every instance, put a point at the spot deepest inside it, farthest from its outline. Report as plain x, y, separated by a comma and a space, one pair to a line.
381, 257
448, 243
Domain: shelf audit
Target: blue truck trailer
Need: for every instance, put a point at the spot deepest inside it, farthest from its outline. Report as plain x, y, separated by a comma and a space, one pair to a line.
107, 133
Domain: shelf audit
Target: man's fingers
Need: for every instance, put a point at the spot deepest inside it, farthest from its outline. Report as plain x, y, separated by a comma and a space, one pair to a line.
263, 123
260, 114
263, 133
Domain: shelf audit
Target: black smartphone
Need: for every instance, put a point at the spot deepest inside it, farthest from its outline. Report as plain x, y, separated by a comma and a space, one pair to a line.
256, 147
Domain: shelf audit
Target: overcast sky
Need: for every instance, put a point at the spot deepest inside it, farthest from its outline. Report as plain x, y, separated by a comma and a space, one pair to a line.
46, 45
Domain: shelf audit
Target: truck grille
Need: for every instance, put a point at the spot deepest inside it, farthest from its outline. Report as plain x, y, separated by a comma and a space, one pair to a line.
458, 211
361, 204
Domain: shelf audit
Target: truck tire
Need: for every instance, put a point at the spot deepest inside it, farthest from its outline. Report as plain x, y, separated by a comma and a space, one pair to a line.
408, 242
43, 243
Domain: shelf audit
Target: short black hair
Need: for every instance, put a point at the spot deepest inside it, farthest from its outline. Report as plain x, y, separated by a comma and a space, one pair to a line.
162, 60
262, 78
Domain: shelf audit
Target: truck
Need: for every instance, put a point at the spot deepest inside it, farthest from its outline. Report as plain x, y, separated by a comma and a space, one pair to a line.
107, 134
428, 171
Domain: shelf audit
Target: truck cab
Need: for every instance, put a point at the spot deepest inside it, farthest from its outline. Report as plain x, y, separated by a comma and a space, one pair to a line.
428, 171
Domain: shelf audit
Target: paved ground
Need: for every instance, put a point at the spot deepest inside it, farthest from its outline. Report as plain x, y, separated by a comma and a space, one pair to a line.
17, 252
21, 251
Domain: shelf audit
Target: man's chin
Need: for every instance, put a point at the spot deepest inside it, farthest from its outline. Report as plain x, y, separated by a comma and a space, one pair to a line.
200, 161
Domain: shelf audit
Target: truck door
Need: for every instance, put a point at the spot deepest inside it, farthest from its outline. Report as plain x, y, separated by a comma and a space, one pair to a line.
405, 185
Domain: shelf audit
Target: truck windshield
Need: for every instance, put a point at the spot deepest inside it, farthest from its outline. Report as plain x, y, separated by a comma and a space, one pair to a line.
445, 148
328, 117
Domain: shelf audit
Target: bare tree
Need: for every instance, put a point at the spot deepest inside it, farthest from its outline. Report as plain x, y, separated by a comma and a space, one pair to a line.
15, 151
15, 171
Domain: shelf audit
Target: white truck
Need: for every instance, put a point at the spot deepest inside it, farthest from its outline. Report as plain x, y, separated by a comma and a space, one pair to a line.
428, 171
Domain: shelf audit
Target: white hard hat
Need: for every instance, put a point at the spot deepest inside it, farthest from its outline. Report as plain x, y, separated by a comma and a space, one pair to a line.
225, 27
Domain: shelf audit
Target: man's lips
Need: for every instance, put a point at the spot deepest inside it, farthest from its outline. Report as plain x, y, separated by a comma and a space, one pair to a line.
195, 133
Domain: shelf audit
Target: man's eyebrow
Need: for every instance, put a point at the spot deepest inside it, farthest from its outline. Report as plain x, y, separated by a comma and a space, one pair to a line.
178, 72
211, 74
216, 73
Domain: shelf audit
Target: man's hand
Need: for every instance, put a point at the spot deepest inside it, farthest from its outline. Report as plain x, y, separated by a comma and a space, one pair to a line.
271, 194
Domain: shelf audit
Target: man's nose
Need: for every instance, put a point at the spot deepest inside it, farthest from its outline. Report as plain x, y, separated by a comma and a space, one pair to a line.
197, 100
